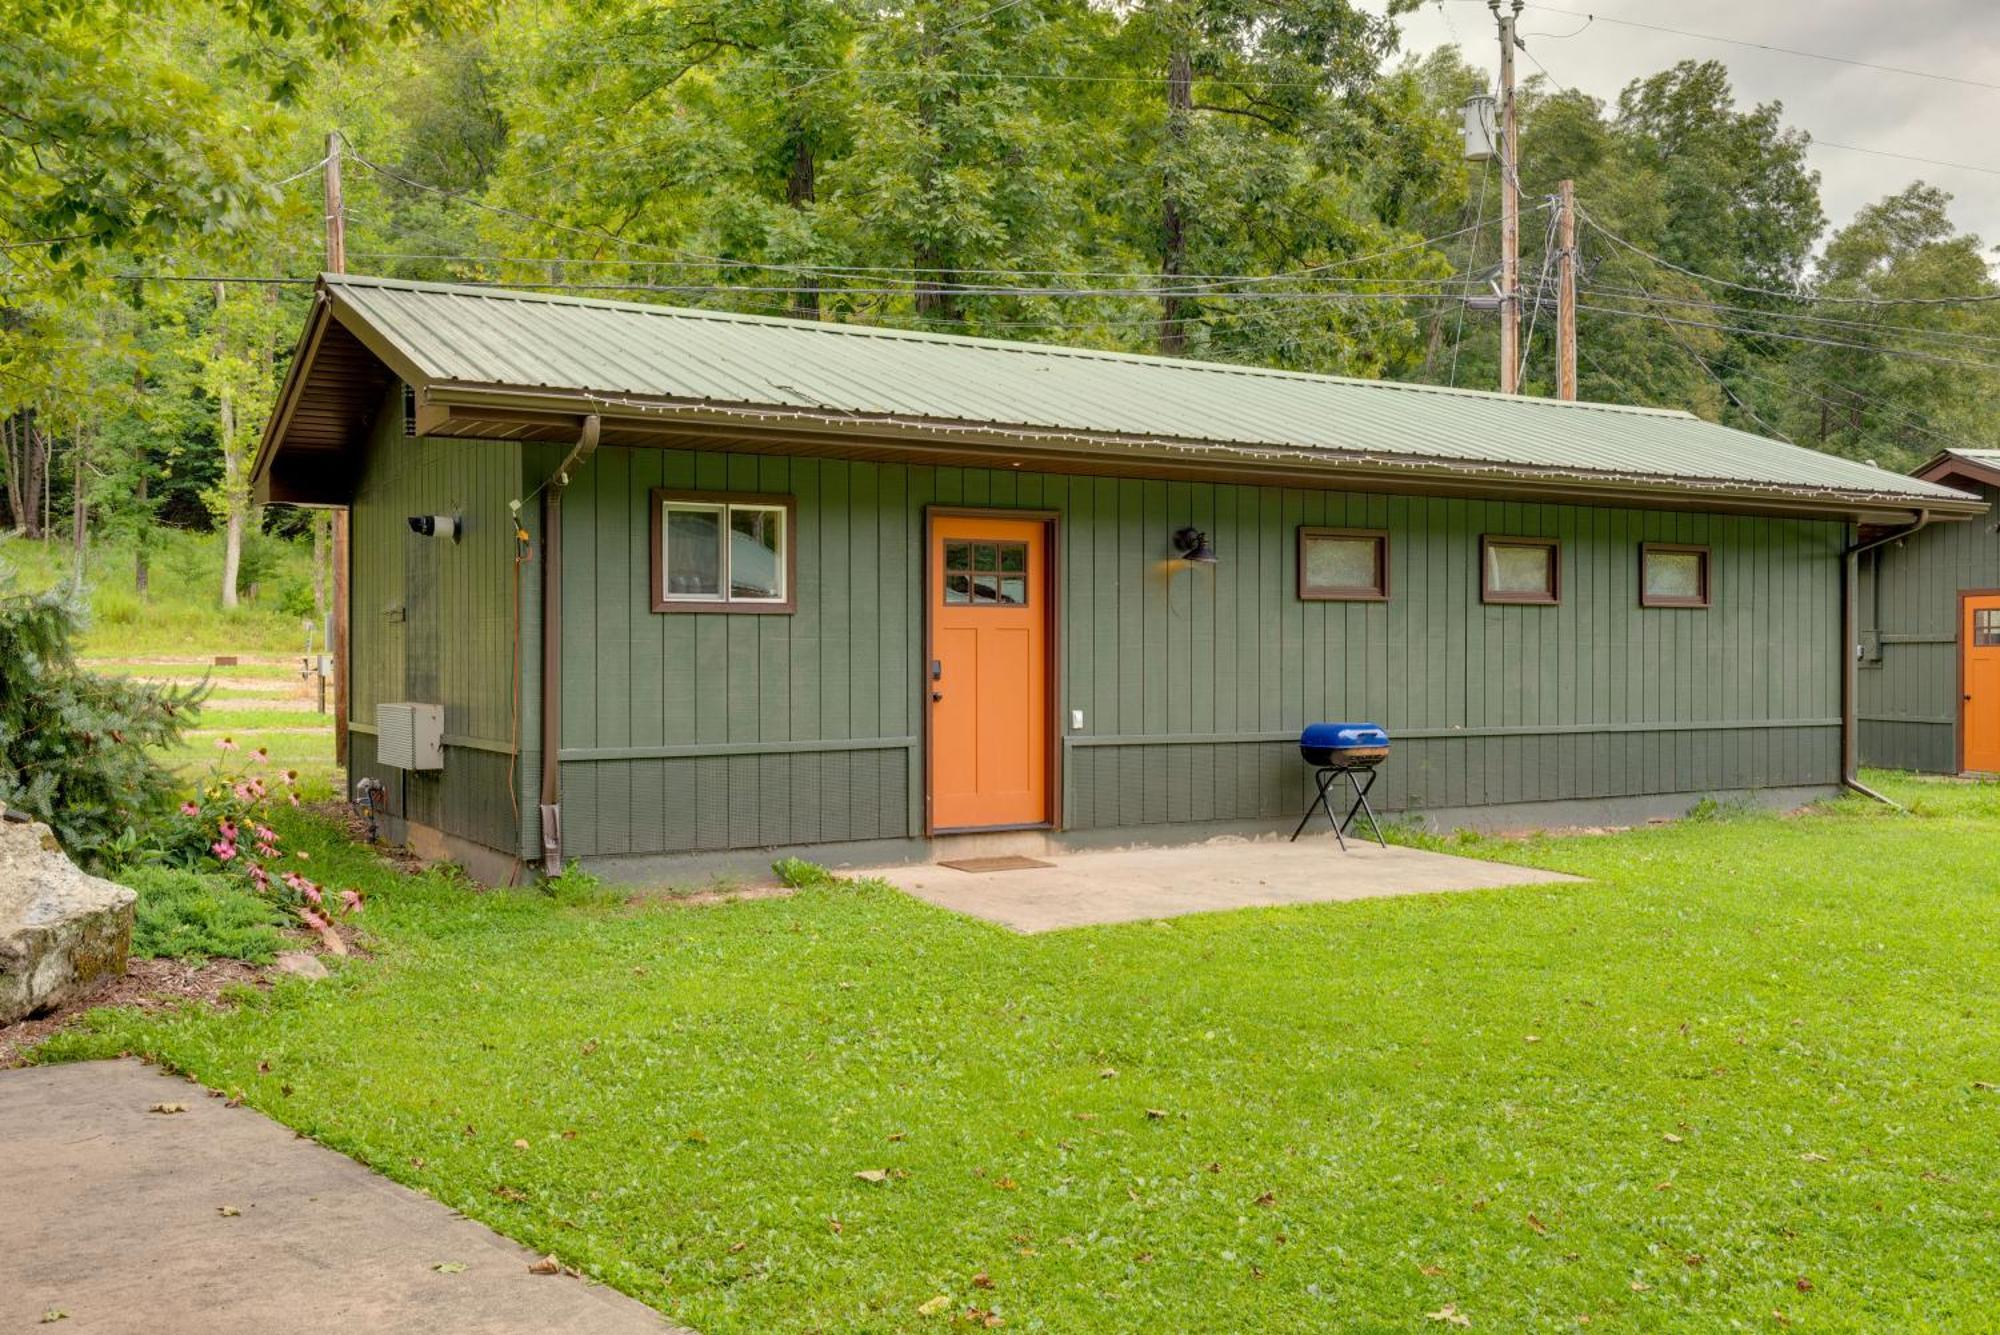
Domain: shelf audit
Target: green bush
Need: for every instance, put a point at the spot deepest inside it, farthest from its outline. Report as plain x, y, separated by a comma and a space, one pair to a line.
802, 875
77, 750
189, 915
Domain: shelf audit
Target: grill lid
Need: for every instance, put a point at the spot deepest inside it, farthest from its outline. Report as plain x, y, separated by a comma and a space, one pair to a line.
1343, 737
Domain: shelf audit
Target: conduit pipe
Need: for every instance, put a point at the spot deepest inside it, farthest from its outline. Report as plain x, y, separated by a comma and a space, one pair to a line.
1850, 684
552, 640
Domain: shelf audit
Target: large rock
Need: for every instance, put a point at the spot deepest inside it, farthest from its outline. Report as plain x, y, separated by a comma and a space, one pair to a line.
62, 932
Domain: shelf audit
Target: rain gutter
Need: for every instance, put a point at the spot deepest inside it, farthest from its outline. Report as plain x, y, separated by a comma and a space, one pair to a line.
552, 642
1850, 681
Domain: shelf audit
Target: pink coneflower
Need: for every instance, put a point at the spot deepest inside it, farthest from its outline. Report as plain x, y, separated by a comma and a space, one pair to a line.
223, 852
190, 809
311, 892
267, 834
351, 900
314, 920
293, 798
227, 829
266, 851
226, 744
294, 879
291, 776
260, 755
261, 877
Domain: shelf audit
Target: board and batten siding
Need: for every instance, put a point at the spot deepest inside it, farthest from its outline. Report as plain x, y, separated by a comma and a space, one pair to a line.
431, 620
690, 731
1908, 700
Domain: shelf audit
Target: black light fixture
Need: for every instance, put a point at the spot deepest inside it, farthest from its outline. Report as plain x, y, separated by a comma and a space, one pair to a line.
1191, 545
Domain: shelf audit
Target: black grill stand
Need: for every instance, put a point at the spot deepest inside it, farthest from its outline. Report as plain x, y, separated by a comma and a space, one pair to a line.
1325, 777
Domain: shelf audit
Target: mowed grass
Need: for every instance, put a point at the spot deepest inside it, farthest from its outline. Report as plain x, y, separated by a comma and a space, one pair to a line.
1746, 1076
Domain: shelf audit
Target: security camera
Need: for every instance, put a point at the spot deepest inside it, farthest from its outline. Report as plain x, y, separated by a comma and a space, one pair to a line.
435, 526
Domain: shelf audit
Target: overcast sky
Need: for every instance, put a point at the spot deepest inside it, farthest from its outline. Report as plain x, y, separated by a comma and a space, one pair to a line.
1840, 104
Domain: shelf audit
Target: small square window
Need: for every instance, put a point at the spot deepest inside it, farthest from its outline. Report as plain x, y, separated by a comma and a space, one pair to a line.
1671, 575
1986, 627
987, 574
1520, 570
718, 552
1343, 565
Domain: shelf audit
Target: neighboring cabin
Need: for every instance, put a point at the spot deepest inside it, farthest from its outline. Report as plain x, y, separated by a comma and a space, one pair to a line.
1930, 635
811, 585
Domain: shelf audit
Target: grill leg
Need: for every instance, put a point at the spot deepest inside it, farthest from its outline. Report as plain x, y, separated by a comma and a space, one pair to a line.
1324, 778
1361, 804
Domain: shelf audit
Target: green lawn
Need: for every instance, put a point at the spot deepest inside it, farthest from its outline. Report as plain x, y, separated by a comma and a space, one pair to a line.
1749, 1071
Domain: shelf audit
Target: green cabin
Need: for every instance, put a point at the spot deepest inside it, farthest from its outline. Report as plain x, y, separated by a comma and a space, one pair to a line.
642, 586
1930, 634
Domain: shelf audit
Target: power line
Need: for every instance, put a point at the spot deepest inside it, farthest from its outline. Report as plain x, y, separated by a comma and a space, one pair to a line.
1796, 317
1911, 353
1767, 46
1791, 295
1906, 157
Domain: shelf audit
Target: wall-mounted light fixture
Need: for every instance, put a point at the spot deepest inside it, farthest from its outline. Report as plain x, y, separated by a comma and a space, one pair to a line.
437, 526
1191, 545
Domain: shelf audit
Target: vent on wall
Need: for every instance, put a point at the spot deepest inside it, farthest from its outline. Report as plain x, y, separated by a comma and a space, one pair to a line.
409, 736
409, 411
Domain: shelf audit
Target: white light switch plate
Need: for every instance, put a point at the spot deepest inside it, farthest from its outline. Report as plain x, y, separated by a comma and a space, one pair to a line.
1076, 720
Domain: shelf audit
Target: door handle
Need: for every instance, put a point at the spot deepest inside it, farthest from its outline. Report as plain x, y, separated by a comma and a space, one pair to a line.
936, 696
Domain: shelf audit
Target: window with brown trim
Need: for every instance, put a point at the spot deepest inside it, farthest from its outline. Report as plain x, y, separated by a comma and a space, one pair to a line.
717, 551
1985, 627
1343, 565
1520, 570
1673, 574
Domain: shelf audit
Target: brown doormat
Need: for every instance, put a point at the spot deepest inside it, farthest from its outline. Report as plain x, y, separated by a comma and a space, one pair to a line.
1009, 863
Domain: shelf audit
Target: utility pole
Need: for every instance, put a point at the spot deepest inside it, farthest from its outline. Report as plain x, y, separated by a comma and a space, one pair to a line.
1510, 205
335, 644
1566, 291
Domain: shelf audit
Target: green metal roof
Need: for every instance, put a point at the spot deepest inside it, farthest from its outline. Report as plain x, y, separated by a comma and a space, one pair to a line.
626, 358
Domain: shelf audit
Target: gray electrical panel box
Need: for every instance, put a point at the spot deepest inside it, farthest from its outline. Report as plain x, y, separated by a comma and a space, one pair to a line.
409, 736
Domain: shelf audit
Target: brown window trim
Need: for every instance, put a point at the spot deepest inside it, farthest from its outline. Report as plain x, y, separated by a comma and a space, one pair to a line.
660, 496
1489, 594
1377, 593
1655, 600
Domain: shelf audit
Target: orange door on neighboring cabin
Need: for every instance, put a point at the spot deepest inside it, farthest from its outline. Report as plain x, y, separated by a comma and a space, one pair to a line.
1980, 638
987, 672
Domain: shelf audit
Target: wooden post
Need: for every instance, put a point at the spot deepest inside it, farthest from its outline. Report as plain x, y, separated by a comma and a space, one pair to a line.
1566, 294
336, 210
336, 646
1510, 209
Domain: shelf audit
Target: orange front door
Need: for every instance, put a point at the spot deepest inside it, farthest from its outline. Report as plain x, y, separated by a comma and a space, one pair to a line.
1980, 638
987, 672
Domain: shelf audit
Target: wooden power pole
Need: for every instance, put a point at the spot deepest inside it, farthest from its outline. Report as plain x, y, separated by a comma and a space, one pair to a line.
1566, 291
1510, 206
336, 645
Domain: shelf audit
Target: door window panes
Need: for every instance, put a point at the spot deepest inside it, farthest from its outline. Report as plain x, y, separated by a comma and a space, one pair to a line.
985, 574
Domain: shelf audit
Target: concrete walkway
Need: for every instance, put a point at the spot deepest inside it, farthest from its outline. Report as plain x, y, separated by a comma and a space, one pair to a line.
1133, 885
116, 1216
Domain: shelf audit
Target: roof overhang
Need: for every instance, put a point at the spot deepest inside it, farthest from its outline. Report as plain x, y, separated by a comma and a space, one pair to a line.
1950, 466
309, 454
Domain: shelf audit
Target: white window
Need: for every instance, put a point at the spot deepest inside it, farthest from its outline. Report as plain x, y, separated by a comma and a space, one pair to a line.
722, 553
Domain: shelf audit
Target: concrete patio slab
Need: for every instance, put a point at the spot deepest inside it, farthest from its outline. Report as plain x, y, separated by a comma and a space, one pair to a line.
1134, 885
119, 1217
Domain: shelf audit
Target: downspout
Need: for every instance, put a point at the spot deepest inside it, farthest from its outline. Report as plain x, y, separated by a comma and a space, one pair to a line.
1850, 682
552, 641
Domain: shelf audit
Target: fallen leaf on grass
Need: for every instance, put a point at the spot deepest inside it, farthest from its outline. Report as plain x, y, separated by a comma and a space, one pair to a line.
1007, 1184
834, 1224
982, 1280
168, 1108
1449, 1315
1108, 1073
1671, 1138
1531, 1038
1802, 1284
590, 1047
1694, 1260
1778, 1316
228, 1211
1812, 1156
1537, 1225
1269, 1198
932, 1306
512, 1194
520, 1144
449, 1267
873, 1175
1156, 1114
897, 1135
1984, 1084
736, 1247
1640, 1286
548, 1265
1431, 1271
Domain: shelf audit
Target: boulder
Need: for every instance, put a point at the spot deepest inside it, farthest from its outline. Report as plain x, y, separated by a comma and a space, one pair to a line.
62, 932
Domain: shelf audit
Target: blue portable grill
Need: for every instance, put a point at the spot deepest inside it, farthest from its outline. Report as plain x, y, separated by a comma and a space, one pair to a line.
1343, 750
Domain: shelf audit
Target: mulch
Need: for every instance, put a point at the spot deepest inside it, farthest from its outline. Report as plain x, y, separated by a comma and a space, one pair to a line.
147, 985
